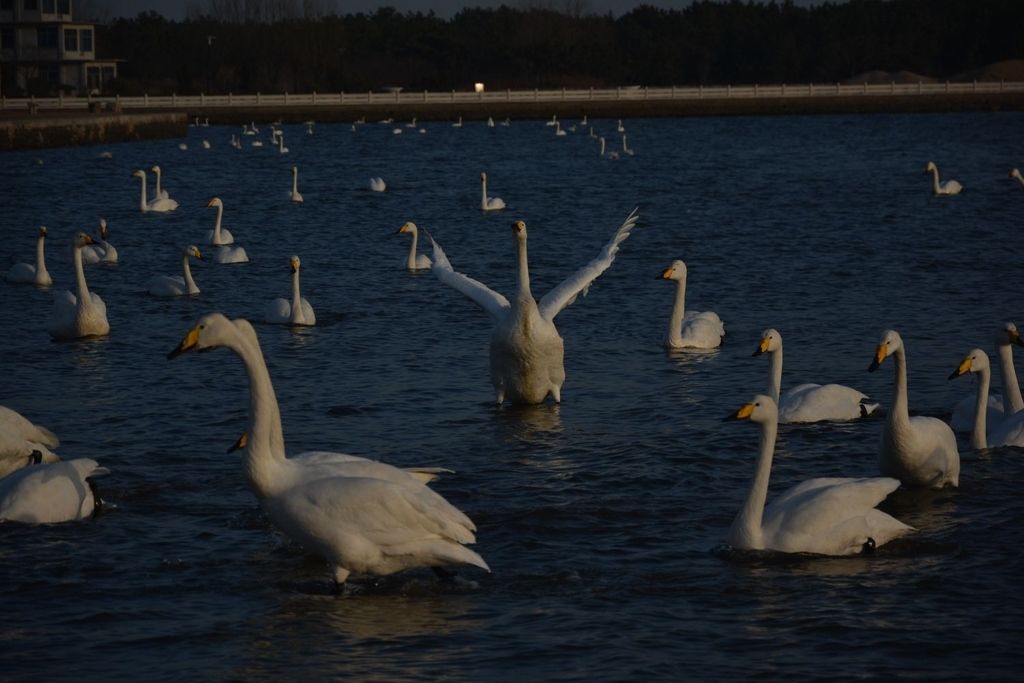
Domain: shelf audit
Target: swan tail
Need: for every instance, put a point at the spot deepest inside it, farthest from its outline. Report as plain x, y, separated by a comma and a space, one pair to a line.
868, 408
48, 439
437, 552
428, 474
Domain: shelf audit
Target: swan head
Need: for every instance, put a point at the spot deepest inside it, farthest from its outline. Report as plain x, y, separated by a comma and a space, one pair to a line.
975, 361
215, 203
519, 228
1009, 334
409, 227
483, 177
81, 240
677, 271
212, 330
155, 169
294, 263
193, 251
771, 340
103, 228
889, 344
761, 409
1015, 173
42, 231
295, 170
139, 174
930, 167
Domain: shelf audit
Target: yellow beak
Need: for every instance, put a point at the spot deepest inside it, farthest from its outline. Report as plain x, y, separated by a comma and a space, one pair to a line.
189, 342
744, 412
964, 368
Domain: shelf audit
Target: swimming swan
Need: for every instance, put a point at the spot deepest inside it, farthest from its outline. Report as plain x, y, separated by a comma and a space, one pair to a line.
489, 203
158, 192
625, 148
1009, 431
606, 155
999, 407
26, 273
377, 184
218, 236
827, 516
84, 315
948, 187
157, 205
102, 251
810, 402
414, 261
226, 252
919, 450
361, 524
297, 311
526, 349
281, 149
50, 494
174, 285
294, 194
692, 330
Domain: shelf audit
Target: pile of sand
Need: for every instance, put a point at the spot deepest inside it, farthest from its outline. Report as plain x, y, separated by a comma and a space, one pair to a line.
1010, 70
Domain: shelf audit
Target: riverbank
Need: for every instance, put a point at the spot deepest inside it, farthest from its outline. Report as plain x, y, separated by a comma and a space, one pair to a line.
27, 130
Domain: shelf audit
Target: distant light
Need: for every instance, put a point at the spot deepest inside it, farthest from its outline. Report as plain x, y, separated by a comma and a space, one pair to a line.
478, 87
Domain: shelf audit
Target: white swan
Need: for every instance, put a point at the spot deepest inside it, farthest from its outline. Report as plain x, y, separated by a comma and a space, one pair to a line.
206, 144
606, 155
489, 203
507, 122
361, 524
694, 329
948, 187
411, 124
294, 312
16, 425
157, 205
625, 148
919, 450
457, 124
490, 122
174, 285
826, 516
219, 236
256, 143
158, 192
26, 273
414, 261
377, 184
810, 402
558, 129
294, 194
999, 407
281, 149
526, 349
1015, 174
23, 443
1010, 430
50, 494
620, 128
84, 315
227, 252
553, 121
101, 251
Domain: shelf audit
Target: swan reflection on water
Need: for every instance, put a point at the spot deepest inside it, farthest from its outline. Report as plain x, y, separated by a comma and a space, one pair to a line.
538, 425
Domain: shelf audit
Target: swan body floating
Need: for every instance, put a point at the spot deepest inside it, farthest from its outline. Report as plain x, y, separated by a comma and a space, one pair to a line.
227, 252
50, 494
489, 203
1009, 431
174, 285
919, 451
457, 124
999, 407
157, 205
294, 312
102, 251
558, 129
620, 128
256, 143
294, 194
15, 425
411, 124
948, 187
361, 524
414, 261
396, 131
810, 402
219, 236
693, 329
1015, 174
159, 192
84, 315
826, 516
206, 144
27, 273
553, 121
507, 122
526, 350
377, 184
108, 155
183, 147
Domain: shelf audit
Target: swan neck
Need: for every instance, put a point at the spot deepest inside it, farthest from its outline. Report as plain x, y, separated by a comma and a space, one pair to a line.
83, 289
216, 226
748, 521
483, 193
899, 416
186, 272
523, 273
143, 204
1012, 400
775, 379
935, 180
978, 436
411, 263
295, 182
40, 256
675, 325
157, 190
266, 437
296, 299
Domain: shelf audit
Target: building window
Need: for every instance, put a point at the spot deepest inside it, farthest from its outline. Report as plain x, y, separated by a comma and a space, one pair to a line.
32, 4
64, 6
70, 40
47, 36
6, 37
86, 40
49, 6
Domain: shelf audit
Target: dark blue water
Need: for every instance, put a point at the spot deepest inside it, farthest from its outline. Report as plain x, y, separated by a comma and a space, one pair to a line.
603, 518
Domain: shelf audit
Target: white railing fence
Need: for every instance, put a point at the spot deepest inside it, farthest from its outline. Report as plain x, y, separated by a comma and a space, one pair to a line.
410, 99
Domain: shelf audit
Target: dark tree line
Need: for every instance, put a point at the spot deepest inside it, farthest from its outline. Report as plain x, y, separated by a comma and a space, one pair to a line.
220, 48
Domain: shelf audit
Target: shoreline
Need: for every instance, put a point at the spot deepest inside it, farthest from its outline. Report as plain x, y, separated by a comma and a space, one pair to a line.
25, 130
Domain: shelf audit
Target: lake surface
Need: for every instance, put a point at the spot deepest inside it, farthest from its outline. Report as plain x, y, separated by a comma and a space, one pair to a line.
604, 518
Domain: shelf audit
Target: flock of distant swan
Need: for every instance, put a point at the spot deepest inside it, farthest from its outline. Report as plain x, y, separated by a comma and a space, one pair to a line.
367, 517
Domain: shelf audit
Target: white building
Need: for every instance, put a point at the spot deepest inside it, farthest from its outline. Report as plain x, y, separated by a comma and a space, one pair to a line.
42, 51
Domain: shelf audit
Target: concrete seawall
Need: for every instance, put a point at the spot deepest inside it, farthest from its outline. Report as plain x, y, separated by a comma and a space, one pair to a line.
55, 129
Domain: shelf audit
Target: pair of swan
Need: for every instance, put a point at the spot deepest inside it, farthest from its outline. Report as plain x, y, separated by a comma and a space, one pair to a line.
227, 250
51, 493
174, 285
102, 251
27, 273
294, 312
694, 329
919, 451
827, 516
998, 407
294, 194
81, 315
527, 353
489, 203
377, 184
810, 402
414, 261
606, 155
363, 516
159, 204
23, 443
1007, 432
949, 187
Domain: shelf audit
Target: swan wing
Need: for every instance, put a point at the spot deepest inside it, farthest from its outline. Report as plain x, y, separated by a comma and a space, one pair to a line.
702, 329
580, 281
1009, 432
307, 313
100, 305
314, 459
816, 402
963, 412
167, 285
279, 311
485, 297
47, 494
14, 424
